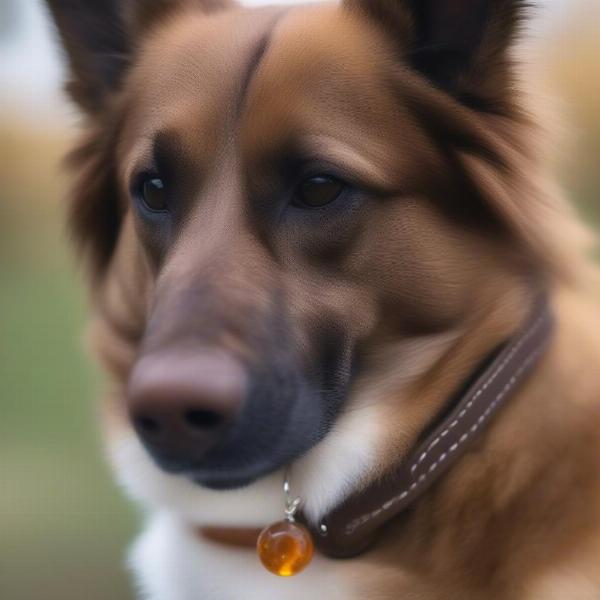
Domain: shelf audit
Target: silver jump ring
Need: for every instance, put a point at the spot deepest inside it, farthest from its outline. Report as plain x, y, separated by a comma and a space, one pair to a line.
291, 505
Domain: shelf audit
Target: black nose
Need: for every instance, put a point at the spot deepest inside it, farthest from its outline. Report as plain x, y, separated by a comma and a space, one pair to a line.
183, 405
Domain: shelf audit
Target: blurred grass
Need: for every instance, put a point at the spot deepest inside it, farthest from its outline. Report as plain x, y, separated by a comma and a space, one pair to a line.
63, 524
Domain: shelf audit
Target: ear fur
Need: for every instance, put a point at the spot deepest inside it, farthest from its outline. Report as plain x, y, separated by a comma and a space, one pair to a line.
100, 37
96, 46
459, 45
95, 213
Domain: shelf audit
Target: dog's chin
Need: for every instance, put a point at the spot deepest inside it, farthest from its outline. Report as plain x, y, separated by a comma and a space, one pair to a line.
252, 497
229, 471
222, 484
223, 481
218, 478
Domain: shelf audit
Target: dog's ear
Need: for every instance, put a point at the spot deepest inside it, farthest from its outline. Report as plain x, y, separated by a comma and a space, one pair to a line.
100, 37
459, 45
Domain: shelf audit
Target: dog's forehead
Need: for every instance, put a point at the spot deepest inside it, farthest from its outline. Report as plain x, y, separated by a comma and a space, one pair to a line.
326, 78
196, 61
201, 73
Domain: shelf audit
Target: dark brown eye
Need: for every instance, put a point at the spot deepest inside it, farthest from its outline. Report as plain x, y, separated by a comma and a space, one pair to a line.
319, 191
154, 194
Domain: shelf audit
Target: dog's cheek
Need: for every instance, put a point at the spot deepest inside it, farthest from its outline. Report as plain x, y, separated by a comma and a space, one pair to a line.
119, 310
419, 265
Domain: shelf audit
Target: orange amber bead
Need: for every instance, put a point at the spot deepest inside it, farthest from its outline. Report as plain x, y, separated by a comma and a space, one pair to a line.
285, 548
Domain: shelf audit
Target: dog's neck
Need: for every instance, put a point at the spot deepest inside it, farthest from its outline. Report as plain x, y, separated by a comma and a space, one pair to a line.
351, 527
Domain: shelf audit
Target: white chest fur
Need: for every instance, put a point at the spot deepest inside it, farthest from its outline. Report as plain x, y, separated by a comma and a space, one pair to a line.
171, 563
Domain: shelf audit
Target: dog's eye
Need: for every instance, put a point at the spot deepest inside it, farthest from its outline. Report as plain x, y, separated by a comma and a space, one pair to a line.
154, 194
319, 191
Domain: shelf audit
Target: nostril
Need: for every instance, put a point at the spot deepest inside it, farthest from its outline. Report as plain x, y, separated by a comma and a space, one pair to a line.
147, 426
202, 419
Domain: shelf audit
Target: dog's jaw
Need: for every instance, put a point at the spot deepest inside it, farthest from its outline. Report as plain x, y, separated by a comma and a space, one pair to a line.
348, 456
323, 477
170, 561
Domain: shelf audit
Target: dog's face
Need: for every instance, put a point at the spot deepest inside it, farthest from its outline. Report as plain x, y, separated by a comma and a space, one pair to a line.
280, 206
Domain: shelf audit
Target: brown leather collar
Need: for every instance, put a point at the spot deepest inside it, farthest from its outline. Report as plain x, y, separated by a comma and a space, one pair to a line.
352, 527
239, 537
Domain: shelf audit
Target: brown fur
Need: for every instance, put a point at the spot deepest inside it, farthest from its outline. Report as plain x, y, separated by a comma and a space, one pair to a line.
463, 225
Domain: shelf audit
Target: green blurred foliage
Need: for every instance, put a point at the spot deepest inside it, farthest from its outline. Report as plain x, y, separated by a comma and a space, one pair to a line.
63, 524
571, 69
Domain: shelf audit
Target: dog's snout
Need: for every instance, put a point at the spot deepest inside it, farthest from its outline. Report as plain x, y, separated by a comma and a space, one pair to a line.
182, 406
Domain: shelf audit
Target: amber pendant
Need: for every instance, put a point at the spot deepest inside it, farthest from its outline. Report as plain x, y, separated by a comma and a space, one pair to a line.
286, 548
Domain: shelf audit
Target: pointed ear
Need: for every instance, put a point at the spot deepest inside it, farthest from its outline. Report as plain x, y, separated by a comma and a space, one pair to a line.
100, 37
460, 45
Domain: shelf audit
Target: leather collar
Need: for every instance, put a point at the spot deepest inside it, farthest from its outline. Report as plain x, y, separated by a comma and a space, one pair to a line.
352, 527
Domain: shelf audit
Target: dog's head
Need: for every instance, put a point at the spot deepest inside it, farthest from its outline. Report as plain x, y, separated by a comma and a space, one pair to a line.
281, 207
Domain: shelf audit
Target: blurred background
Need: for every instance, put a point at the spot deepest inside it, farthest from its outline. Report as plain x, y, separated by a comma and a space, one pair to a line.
64, 526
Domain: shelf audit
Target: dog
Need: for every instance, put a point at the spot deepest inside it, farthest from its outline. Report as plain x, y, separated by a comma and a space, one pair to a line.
305, 228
